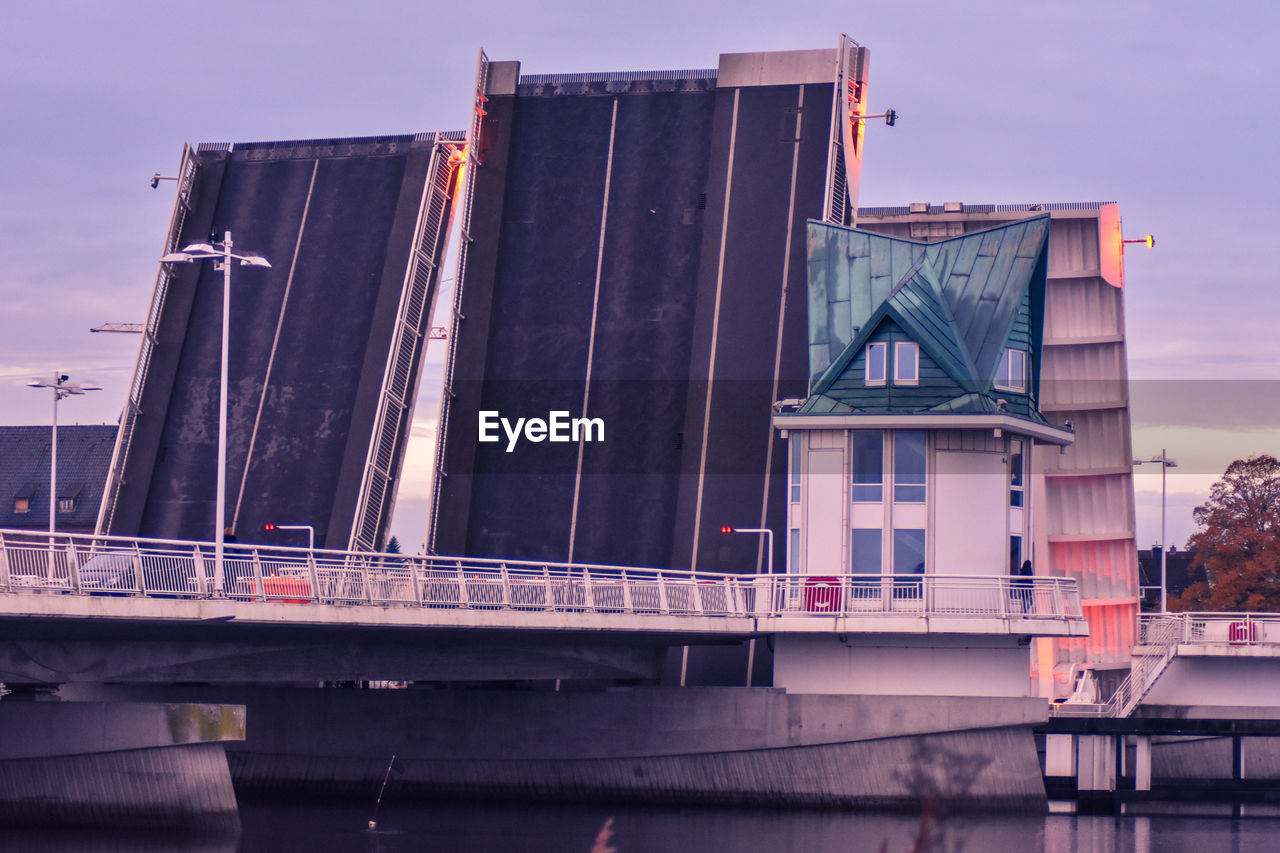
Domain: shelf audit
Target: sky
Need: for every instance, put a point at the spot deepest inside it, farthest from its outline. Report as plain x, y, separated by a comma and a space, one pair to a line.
1164, 107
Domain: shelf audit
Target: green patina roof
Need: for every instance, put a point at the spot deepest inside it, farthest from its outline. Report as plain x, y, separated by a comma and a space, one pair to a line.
963, 300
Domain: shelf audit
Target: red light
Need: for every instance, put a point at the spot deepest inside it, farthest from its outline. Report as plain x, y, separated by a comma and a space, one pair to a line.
268, 526
726, 529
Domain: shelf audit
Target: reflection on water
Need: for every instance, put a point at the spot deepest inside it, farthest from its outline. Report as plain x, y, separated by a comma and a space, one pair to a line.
276, 827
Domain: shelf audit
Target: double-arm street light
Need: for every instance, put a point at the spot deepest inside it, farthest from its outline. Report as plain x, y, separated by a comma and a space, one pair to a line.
1165, 464
221, 253
61, 388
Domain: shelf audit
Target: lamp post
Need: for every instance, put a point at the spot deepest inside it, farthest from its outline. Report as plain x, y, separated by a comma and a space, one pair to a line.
221, 253
61, 388
1165, 464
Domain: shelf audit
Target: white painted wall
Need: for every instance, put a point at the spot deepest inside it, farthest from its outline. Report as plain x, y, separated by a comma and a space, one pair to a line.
886, 664
1237, 678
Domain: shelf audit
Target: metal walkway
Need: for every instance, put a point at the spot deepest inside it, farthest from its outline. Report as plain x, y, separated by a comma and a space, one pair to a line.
78, 566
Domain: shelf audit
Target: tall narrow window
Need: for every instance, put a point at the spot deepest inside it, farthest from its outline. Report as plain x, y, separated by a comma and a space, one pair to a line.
1015, 554
1017, 488
909, 466
794, 566
795, 468
868, 465
1012, 373
906, 363
876, 355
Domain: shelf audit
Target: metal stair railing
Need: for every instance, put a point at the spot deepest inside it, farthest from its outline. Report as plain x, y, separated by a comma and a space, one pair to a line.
1162, 636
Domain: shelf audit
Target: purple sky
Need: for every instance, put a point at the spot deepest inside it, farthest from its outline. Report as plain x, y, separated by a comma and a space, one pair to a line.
1165, 107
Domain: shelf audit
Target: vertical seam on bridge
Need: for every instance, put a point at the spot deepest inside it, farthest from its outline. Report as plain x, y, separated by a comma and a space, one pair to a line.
766, 541
275, 342
715, 333
591, 338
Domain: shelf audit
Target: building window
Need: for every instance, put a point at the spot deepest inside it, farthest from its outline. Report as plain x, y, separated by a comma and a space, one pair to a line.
909, 466
21, 506
1015, 554
795, 468
1017, 489
906, 363
1012, 373
66, 504
908, 552
876, 355
795, 550
865, 551
868, 465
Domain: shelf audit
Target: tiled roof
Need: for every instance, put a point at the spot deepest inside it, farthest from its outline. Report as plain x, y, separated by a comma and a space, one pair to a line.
84, 454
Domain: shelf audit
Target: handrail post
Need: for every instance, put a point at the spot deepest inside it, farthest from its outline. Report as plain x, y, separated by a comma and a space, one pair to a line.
315, 576
550, 601
588, 595
140, 574
626, 594
259, 587
464, 598
415, 567
663, 606
506, 585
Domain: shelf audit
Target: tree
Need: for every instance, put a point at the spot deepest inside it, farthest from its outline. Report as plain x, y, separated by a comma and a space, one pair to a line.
1237, 545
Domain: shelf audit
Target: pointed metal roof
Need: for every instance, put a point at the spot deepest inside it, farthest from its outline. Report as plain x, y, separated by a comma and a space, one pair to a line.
978, 279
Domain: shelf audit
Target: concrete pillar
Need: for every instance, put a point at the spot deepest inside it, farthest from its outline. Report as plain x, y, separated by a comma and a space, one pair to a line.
1096, 763
1142, 764
1059, 755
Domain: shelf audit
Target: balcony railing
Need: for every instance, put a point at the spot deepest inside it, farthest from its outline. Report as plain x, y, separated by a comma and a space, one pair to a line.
70, 564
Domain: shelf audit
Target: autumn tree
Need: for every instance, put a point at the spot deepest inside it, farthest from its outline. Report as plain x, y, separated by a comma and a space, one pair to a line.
1237, 545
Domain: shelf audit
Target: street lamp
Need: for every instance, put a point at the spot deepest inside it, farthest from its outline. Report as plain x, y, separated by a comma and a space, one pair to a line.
1165, 464
61, 388
221, 253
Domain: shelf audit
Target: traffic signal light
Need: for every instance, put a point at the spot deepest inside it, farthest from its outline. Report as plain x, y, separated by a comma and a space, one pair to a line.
726, 529
268, 526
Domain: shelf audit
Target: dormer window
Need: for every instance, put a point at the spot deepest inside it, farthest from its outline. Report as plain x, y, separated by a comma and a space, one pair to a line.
877, 355
906, 363
21, 506
66, 504
1012, 373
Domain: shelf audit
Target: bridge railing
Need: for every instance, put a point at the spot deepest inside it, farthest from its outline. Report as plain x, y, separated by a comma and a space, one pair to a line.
1235, 629
73, 564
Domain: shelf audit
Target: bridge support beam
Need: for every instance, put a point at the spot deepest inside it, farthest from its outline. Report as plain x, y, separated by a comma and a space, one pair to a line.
1096, 763
1142, 763
1060, 755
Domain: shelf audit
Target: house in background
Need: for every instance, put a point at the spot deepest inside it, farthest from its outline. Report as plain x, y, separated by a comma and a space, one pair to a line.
84, 455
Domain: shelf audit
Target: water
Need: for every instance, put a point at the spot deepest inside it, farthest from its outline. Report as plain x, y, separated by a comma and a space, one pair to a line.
275, 827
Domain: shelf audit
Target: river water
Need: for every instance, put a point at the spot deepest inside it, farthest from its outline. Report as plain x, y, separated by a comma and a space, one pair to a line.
279, 827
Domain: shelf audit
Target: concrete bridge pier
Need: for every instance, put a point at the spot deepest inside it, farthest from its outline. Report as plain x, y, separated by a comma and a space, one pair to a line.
1096, 763
119, 763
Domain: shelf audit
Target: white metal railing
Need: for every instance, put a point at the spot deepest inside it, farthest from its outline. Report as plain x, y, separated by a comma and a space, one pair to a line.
83, 564
1234, 629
